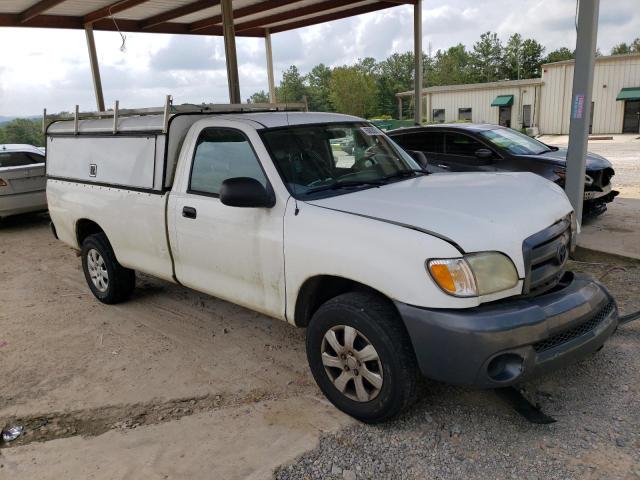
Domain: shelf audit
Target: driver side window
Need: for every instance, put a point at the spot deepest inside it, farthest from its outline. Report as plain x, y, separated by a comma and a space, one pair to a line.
220, 154
459, 144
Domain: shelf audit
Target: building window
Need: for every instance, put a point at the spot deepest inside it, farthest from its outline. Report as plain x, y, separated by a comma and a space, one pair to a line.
464, 114
438, 115
526, 116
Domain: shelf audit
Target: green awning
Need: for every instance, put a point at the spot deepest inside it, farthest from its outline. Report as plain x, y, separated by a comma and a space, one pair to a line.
502, 101
631, 93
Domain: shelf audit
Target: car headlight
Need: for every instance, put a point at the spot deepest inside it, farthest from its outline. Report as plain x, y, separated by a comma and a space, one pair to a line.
474, 274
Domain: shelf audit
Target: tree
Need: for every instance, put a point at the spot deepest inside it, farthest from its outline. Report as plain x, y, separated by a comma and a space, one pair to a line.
487, 57
259, 97
319, 81
531, 59
393, 75
22, 130
560, 55
292, 88
353, 91
451, 67
625, 49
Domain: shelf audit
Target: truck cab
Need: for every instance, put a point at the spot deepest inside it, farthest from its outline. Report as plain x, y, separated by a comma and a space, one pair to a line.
394, 272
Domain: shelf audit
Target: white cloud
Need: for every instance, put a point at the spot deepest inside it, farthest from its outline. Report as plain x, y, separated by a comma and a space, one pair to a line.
49, 68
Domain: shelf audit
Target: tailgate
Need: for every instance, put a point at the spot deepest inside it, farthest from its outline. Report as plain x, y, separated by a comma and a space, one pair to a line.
23, 179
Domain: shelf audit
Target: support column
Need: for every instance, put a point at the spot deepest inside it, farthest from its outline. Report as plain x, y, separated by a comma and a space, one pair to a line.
399, 108
581, 102
230, 51
417, 51
272, 82
95, 67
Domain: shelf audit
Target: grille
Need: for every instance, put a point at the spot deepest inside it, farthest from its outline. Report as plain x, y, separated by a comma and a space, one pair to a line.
574, 332
545, 256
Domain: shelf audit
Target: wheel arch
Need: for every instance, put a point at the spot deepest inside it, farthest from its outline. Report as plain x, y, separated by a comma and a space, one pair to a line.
86, 227
318, 289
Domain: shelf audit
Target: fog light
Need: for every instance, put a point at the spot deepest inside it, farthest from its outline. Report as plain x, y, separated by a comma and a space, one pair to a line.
505, 367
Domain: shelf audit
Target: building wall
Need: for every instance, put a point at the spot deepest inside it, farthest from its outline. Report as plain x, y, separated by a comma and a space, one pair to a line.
479, 100
610, 76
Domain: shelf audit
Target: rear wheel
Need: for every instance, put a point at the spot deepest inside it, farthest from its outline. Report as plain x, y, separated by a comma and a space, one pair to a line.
361, 356
109, 281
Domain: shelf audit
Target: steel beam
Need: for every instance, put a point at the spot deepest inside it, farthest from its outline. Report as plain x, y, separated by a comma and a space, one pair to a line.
228, 29
581, 102
95, 67
270, 76
37, 9
417, 51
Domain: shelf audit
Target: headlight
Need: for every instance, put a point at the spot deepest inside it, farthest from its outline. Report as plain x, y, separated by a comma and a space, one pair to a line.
474, 274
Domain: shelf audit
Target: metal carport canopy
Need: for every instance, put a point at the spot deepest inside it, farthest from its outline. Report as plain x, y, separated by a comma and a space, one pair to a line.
228, 18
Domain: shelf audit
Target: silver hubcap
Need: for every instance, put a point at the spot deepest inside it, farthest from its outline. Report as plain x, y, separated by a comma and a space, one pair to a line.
97, 270
352, 364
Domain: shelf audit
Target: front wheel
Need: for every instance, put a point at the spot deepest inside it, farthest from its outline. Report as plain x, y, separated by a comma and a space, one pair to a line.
109, 281
361, 356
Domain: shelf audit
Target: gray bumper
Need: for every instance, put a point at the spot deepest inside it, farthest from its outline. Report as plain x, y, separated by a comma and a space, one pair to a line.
506, 342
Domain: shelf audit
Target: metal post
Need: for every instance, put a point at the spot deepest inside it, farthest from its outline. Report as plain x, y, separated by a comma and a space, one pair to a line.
272, 82
230, 51
95, 67
581, 102
399, 108
417, 51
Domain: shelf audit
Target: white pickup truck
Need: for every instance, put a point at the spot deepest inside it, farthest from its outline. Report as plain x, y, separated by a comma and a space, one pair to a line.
320, 220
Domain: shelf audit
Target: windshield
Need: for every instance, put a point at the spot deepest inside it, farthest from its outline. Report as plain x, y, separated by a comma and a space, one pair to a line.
514, 142
326, 160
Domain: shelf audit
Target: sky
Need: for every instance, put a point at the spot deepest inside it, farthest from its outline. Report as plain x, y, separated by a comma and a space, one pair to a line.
43, 68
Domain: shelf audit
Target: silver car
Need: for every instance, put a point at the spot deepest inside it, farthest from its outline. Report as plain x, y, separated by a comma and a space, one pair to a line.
22, 180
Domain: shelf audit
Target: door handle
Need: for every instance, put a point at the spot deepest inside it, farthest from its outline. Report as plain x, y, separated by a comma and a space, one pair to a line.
446, 167
189, 212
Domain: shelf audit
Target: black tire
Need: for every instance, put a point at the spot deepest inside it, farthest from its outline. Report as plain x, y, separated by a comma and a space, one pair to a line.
375, 318
121, 280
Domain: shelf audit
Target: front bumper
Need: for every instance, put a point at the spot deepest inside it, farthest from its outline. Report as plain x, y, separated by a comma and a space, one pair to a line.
506, 342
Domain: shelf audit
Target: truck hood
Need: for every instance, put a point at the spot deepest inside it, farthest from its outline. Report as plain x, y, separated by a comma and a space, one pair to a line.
559, 157
473, 211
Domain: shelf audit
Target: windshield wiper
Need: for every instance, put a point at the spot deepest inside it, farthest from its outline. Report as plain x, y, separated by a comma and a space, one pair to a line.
346, 184
405, 173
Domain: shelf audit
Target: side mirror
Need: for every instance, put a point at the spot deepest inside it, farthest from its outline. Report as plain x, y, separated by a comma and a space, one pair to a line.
419, 157
483, 154
245, 192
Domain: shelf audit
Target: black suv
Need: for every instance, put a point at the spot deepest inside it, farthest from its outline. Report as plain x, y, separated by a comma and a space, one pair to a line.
468, 147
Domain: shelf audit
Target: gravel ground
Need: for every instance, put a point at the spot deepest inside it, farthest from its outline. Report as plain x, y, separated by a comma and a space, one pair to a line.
455, 432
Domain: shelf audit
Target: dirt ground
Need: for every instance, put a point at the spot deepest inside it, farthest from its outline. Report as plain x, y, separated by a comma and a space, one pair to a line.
174, 384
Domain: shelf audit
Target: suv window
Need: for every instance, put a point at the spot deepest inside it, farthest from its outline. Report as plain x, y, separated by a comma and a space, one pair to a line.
431, 142
459, 144
222, 153
17, 159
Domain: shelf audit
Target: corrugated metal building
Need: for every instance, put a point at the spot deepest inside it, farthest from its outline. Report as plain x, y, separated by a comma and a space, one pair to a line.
544, 104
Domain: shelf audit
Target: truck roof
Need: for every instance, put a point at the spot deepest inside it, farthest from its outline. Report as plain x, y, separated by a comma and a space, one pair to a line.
144, 123
19, 147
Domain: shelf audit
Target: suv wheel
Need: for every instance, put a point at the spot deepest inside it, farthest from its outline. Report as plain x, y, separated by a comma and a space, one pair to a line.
109, 281
361, 356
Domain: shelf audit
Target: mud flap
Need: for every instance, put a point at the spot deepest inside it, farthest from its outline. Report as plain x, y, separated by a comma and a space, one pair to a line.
524, 407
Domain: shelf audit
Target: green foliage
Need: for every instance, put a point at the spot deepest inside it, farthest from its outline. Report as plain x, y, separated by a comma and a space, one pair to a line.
560, 55
486, 58
376, 83
22, 130
353, 91
319, 81
259, 97
292, 87
625, 49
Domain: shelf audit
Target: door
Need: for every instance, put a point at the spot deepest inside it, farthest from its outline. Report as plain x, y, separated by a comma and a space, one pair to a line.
462, 154
22, 172
504, 116
631, 122
229, 252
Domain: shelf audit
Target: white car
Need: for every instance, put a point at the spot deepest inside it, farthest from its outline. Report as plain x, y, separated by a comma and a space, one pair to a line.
22, 180
393, 272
